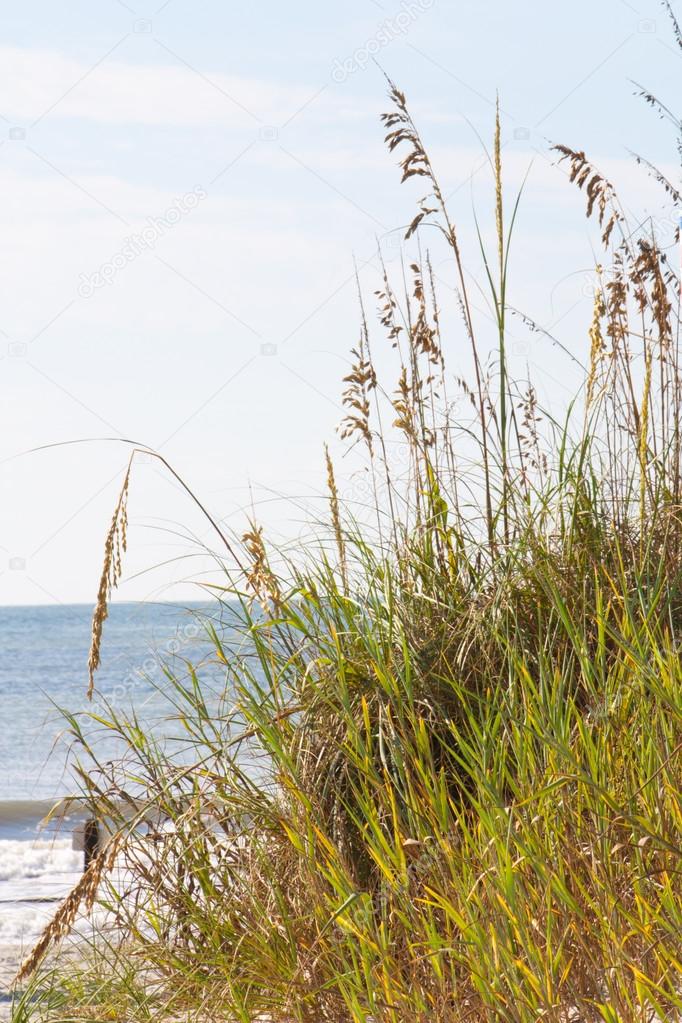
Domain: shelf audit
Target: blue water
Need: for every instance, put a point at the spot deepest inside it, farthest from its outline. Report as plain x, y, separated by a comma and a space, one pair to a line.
43, 665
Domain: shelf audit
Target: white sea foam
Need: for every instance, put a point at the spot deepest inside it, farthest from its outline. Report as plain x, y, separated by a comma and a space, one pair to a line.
31, 871
21, 925
38, 859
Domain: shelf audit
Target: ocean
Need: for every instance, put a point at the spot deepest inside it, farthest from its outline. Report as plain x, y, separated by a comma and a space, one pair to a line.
43, 669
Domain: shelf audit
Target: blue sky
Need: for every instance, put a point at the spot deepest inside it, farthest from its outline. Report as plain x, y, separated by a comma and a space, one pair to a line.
236, 152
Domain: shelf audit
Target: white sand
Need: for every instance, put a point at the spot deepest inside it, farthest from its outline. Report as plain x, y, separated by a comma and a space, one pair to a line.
10, 958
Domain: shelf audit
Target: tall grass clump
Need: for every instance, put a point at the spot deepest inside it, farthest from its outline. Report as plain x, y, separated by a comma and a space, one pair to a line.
440, 779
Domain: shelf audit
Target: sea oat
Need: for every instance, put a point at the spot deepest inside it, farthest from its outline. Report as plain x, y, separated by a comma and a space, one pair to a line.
529, 437
259, 576
336, 516
361, 380
597, 345
675, 23
499, 217
81, 896
114, 547
652, 285
424, 337
601, 194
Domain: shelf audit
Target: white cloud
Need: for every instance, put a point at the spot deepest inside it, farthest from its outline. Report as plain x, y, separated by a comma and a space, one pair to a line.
33, 82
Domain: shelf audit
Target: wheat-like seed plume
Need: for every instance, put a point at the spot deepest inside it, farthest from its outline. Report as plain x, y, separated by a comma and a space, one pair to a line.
361, 380
81, 896
597, 345
402, 132
601, 195
675, 23
259, 576
336, 516
499, 217
114, 547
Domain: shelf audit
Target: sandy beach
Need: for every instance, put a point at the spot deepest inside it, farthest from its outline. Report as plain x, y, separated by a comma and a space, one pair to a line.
10, 957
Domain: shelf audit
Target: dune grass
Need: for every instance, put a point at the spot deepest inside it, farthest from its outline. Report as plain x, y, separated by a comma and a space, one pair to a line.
445, 782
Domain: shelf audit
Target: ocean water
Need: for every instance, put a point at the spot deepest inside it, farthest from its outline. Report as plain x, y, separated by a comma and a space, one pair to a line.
43, 667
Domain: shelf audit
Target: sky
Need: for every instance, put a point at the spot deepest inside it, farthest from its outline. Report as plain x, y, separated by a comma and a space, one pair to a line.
185, 190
